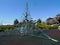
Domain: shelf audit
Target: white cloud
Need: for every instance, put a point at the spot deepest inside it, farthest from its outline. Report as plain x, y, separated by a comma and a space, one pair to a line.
7, 23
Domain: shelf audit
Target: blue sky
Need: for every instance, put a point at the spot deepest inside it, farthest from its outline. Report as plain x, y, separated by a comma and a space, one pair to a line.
12, 9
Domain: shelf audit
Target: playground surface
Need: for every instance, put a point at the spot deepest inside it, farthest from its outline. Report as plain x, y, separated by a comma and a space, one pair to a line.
30, 40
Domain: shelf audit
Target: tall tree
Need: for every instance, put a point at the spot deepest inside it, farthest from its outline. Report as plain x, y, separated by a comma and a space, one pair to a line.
39, 21
16, 22
58, 17
59, 20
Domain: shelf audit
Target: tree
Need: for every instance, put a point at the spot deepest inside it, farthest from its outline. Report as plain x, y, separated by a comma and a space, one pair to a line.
39, 21
16, 22
58, 17
59, 20
32, 24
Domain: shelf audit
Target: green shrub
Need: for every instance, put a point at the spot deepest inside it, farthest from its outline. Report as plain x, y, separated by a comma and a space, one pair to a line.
54, 27
3, 28
44, 26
